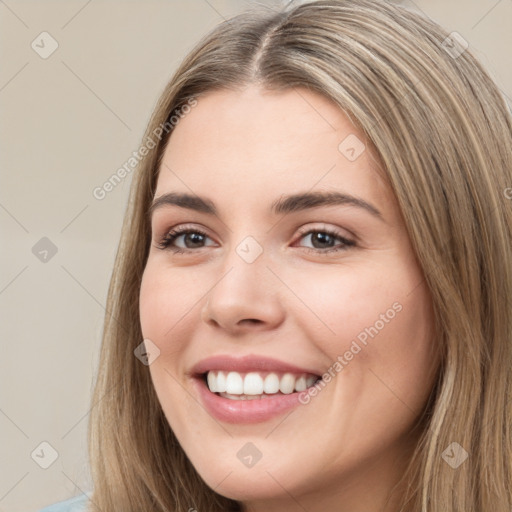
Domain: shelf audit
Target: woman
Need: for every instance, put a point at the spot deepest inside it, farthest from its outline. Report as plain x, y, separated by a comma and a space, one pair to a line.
317, 255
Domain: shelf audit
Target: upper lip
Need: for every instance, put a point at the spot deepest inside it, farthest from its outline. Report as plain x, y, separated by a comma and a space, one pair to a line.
246, 364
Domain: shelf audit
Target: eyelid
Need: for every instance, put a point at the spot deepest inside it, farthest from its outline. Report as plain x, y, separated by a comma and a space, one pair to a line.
179, 230
323, 226
160, 233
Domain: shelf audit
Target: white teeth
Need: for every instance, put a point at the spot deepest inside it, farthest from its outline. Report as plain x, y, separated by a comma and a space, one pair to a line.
287, 384
300, 385
310, 381
271, 384
234, 384
253, 384
256, 385
221, 382
243, 397
212, 382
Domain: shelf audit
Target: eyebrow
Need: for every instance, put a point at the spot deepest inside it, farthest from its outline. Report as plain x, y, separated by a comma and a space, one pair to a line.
283, 205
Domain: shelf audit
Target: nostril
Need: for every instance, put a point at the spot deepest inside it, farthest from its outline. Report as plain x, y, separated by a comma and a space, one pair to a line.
252, 320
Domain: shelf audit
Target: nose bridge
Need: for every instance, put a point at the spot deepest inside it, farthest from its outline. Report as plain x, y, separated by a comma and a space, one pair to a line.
246, 289
244, 272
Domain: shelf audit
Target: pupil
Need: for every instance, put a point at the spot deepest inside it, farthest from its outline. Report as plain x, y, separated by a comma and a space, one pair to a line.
319, 237
324, 238
196, 238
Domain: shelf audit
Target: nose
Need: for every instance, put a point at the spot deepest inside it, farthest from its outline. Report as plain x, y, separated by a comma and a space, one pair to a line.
247, 297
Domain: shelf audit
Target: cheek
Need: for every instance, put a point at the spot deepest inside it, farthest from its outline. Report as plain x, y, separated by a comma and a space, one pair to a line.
168, 301
162, 307
348, 302
165, 299
377, 325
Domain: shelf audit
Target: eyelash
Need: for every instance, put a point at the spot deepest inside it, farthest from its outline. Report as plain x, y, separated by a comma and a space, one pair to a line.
173, 234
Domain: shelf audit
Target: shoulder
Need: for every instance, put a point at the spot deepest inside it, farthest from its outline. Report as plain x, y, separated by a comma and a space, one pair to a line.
76, 504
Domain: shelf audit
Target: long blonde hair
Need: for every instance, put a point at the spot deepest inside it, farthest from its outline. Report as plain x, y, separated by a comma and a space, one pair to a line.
443, 133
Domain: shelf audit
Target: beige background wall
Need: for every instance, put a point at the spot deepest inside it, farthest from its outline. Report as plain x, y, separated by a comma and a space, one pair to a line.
68, 122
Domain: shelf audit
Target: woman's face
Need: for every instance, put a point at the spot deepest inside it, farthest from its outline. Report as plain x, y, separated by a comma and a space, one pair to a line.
297, 265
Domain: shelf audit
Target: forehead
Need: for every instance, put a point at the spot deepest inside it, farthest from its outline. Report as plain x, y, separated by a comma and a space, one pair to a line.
261, 143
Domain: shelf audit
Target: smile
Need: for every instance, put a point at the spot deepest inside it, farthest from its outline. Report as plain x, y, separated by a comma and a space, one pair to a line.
250, 389
257, 385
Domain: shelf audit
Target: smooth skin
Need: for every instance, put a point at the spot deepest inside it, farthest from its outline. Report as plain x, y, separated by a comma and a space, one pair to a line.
300, 301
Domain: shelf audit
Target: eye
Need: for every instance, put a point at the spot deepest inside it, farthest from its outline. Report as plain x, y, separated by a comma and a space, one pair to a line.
192, 239
324, 240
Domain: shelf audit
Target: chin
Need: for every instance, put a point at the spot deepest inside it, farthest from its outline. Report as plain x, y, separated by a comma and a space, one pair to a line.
251, 485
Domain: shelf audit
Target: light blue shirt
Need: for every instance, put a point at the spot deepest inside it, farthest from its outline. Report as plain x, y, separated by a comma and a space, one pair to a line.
76, 504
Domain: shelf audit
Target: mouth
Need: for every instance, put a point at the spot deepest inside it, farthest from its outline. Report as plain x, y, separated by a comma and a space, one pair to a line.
256, 385
250, 389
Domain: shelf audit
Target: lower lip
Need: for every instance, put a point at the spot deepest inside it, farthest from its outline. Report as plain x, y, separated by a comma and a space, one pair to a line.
244, 411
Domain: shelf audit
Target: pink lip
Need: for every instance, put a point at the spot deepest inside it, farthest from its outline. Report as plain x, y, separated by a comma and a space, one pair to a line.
244, 411
246, 364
